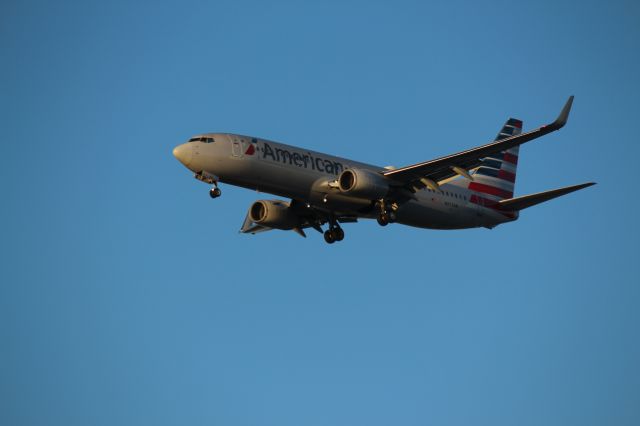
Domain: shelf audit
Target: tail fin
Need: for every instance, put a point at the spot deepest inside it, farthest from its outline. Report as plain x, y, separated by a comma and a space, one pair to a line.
495, 179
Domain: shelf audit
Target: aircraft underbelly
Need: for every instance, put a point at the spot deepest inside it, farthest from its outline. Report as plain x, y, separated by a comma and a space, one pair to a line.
435, 216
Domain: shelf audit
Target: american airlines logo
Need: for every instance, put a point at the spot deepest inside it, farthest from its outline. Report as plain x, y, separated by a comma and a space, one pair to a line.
294, 158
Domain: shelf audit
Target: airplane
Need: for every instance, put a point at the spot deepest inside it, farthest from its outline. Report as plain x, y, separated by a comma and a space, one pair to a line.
469, 189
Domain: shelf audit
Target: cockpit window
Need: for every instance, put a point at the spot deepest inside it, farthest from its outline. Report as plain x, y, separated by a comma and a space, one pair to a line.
201, 139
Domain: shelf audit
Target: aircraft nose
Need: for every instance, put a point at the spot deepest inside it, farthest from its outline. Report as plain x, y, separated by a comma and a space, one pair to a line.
183, 153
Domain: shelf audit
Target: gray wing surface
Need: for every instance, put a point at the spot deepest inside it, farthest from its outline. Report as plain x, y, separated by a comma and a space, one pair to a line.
441, 168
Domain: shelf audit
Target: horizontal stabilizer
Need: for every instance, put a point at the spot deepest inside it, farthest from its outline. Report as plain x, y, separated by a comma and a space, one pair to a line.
521, 203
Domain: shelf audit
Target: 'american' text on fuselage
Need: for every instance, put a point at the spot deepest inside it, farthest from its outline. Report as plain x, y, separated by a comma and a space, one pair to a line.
301, 160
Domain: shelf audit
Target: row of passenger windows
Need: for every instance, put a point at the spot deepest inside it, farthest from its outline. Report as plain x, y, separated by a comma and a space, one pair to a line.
448, 194
202, 139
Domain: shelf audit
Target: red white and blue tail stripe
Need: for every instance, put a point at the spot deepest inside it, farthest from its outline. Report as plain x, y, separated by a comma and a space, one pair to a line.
495, 179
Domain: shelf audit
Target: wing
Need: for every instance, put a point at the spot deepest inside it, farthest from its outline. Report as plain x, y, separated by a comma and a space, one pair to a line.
417, 175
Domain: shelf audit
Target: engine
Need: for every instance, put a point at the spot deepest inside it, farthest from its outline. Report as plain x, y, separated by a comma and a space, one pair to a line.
274, 214
362, 183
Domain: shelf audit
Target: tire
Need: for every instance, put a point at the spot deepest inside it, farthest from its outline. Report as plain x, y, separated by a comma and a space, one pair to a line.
215, 192
383, 219
329, 237
339, 234
392, 216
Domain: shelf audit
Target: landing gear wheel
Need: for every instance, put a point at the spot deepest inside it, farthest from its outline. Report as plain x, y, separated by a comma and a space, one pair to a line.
338, 234
383, 219
215, 192
392, 216
329, 236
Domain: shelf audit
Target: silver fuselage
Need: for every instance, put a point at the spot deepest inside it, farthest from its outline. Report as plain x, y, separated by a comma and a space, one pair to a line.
308, 176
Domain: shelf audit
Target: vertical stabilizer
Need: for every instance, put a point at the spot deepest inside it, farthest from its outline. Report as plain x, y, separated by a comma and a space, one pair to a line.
495, 179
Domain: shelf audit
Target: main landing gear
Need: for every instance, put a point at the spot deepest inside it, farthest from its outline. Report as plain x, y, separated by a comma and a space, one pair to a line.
387, 214
385, 218
334, 233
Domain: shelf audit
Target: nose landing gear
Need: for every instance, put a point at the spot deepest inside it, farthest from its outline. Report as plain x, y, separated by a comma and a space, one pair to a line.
215, 192
207, 177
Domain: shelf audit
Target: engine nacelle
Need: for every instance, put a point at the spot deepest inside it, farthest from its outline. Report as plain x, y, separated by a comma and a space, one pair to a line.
274, 214
362, 183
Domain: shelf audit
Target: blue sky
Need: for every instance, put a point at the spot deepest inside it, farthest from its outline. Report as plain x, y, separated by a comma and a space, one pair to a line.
127, 295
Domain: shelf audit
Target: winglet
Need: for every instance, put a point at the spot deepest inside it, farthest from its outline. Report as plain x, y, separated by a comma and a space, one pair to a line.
564, 115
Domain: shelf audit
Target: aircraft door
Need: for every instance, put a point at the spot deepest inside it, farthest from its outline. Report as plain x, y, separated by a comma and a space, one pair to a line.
236, 147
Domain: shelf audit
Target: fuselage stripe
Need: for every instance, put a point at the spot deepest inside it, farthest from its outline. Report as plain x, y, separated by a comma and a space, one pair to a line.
479, 187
